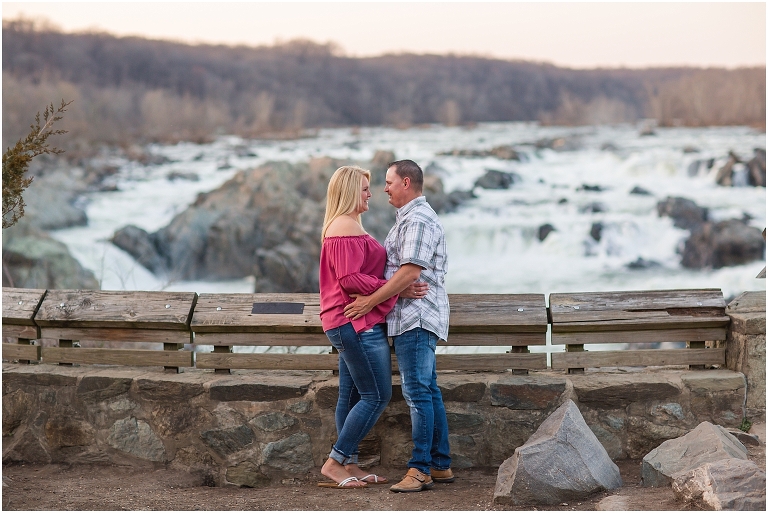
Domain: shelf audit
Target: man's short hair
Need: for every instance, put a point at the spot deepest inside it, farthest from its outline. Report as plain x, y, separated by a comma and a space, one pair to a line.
411, 170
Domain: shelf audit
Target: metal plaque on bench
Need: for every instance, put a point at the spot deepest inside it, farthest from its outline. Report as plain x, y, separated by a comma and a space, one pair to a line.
278, 308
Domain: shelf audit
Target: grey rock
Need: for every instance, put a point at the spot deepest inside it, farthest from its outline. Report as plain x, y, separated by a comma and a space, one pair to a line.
173, 391
745, 438
142, 246
301, 407
458, 422
228, 441
17, 406
35, 260
640, 191
273, 421
642, 263
596, 232
247, 474
136, 437
562, 461
493, 179
723, 244
619, 392
292, 454
26, 446
730, 484
100, 388
464, 451
707, 443
544, 230
66, 431
756, 169
525, 393
462, 392
237, 391
684, 213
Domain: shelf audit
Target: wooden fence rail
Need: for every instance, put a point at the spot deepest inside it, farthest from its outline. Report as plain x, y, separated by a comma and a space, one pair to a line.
84, 322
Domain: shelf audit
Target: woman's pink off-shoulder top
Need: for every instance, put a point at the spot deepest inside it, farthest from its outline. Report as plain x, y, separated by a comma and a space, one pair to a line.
351, 265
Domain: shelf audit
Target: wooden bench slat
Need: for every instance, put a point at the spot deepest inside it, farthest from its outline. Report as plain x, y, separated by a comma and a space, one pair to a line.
671, 322
137, 357
638, 336
490, 313
261, 339
21, 352
21, 331
638, 358
116, 309
232, 312
475, 362
118, 335
633, 300
24, 313
495, 339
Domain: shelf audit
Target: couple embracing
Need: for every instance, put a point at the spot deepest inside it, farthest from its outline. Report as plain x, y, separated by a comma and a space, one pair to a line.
369, 292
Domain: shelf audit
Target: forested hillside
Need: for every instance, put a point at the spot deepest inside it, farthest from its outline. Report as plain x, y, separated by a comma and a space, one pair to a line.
133, 89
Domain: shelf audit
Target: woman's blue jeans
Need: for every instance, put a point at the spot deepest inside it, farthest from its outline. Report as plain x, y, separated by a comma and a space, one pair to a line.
415, 350
365, 386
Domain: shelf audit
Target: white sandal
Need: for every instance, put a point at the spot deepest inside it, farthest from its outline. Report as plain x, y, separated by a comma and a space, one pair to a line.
342, 484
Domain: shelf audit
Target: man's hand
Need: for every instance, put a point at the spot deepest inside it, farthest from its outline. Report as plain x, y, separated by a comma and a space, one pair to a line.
361, 306
416, 290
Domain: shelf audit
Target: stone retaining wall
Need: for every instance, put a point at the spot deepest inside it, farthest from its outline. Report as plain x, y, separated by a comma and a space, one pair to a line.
252, 427
745, 348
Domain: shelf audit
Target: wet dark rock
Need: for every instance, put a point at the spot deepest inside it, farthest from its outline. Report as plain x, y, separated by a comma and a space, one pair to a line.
684, 212
178, 175
562, 201
690, 149
545, 230
558, 144
503, 152
724, 175
591, 188
642, 263
592, 208
494, 179
756, 167
723, 244
596, 232
640, 191
608, 146
142, 246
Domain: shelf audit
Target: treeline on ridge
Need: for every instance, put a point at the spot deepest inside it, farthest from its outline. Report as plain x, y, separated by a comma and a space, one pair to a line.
129, 89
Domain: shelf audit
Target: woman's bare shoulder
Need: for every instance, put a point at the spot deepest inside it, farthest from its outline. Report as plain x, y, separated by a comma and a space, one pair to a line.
344, 226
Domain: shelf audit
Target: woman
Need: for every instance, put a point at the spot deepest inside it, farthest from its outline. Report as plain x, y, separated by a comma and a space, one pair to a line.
352, 263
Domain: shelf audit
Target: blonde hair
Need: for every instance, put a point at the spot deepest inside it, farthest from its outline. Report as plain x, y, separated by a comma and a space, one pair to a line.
343, 195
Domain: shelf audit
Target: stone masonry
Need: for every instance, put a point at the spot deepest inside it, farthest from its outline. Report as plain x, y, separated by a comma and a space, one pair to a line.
253, 427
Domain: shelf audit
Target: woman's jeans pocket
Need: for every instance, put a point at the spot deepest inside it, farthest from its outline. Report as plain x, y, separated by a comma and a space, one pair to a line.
334, 335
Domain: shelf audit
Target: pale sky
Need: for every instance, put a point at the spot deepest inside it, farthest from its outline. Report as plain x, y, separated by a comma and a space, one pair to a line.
579, 35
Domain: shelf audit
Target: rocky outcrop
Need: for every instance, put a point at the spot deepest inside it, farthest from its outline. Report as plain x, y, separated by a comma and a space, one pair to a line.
503, 152
264, 223
684, 212
32, 259
730, 484
562, 461
493, 179
706, 444
736, 172
722, 244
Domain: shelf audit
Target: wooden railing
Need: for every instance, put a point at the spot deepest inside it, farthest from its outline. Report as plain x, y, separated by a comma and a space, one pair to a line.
167, 329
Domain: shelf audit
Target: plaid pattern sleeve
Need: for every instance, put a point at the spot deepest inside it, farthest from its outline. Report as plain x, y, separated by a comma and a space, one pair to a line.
418, 238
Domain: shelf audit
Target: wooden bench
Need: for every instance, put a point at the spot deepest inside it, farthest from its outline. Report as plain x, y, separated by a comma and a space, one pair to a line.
19, 309
115, 316
691, 316
227, 320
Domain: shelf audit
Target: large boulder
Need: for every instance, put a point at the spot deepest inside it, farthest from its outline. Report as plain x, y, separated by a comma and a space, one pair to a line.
264, 223
32, 259
756, 169
493, 179
731, 484
684, 213
562, 461
723, 244
707, 443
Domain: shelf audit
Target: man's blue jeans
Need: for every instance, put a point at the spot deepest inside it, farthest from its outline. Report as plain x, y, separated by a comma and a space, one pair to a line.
365, 386
415, 350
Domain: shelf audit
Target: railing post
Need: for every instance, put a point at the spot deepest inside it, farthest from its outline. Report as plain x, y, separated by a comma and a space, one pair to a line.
24, 342
66, 343
222, 349
172, 347
575, 348
697, 344
335, 372
519, 350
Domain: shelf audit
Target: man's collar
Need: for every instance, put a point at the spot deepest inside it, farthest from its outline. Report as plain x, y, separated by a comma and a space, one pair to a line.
410, 206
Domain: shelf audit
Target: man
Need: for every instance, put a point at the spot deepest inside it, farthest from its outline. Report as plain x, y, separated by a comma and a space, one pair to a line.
416, 250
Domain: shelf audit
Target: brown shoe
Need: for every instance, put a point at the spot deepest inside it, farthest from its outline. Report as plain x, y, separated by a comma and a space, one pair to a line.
414, 481
442, 476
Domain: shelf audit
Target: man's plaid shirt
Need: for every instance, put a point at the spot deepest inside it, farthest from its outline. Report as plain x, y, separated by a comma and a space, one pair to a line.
418, 238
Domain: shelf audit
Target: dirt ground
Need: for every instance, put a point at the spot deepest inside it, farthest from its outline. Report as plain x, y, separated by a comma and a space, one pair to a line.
110, 488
